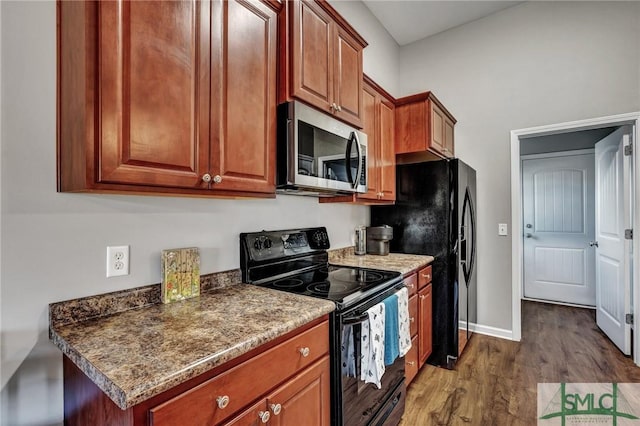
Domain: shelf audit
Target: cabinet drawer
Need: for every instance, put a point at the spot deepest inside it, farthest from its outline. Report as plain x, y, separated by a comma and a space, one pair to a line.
411, 361
413, 314
244, 383
424, 277
412, 284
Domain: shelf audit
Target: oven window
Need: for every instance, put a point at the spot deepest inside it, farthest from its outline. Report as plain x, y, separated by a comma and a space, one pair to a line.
323, 154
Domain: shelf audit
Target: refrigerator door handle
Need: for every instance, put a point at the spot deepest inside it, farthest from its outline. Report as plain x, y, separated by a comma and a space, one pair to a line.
468, 210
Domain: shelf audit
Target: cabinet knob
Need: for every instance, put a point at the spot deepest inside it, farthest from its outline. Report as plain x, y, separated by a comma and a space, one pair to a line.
264, 416
304, 352
217, 179
206, 178
411, 285
411, 363
338, 108
426, 276
334, 107
412, 319
222, 401
422, 297
276, 408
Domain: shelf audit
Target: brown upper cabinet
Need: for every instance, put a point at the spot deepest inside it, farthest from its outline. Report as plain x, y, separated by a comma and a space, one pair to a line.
381, 158
378, 123
424, 129
321, 58
167, 97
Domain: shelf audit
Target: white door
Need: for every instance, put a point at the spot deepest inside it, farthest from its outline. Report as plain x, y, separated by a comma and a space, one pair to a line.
558, 218
613, 262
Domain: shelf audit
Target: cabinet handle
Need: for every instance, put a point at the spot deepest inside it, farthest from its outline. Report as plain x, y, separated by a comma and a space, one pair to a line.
411, 363
217, 179
276, 408
304, 352
206, 178
264, 416
411, 285
427, 276
223, 401
422, 297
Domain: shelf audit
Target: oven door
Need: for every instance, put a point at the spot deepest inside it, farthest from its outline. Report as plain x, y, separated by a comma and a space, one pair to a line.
363, 402
324, 153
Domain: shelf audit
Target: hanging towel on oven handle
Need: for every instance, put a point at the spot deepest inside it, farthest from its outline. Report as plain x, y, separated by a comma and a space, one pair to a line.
404, 328
372, 346
391, 332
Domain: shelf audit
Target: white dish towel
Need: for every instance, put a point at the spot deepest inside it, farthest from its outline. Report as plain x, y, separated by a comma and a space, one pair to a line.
404, 329
372, 345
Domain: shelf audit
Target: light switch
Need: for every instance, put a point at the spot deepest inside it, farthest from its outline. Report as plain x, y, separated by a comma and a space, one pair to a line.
502, 229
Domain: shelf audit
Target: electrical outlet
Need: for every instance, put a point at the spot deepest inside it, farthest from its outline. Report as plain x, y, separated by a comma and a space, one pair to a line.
117, 261
502, 229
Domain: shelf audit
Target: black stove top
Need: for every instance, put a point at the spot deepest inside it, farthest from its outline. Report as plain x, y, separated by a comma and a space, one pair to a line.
296, 261
342, 285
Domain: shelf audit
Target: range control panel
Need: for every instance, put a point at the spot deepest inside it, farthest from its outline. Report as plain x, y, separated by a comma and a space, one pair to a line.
272, 245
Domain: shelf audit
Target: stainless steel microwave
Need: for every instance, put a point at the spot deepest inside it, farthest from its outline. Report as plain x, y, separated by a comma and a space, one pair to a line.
317, 154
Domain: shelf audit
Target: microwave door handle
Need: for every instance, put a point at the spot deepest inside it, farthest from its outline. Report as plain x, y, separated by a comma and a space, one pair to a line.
359, 170
348, 159
353, 180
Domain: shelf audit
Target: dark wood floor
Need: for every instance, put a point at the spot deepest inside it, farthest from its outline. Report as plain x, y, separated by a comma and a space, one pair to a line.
495, 380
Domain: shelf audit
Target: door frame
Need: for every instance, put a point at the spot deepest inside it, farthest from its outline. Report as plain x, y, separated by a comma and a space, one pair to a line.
543, 156
517, 278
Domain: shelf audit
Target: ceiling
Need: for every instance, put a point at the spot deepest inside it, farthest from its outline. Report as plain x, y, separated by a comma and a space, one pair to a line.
408, 21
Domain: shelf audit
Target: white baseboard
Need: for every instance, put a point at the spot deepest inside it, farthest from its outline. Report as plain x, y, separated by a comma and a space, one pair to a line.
489, 331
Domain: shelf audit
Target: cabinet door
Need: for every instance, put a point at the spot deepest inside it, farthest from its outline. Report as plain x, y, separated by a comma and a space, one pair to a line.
153, 80
448, 138
369, 122
303, 400
312, 54
437, 128
347, 77
386, 145
252, 416
411, 128
411, 362
243, 93
424, 329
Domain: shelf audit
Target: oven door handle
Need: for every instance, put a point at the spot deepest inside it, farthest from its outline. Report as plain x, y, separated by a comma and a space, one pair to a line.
355, 320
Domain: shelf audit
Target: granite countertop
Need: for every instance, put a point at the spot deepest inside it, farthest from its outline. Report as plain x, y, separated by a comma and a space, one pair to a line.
139, 353
403, 263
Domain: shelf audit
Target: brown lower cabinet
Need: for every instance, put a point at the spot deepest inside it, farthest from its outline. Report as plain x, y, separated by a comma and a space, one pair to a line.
285, 382
420, 321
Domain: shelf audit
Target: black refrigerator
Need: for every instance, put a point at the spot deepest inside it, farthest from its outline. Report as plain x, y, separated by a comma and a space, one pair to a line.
435, 214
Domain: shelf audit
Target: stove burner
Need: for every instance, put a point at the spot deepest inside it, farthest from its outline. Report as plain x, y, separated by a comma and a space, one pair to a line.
325, 288
359, 276
288, 283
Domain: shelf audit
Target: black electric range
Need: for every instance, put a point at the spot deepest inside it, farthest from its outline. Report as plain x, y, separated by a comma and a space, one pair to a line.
296, 261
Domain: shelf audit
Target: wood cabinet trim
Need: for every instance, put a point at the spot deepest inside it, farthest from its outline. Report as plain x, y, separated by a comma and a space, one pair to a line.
368, 81
425, 96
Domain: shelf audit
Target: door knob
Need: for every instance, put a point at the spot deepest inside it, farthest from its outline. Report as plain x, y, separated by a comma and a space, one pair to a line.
528, 235
593, 243
529, 226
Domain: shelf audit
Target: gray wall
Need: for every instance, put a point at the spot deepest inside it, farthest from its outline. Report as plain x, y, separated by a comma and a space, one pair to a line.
533, 64
53, 245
